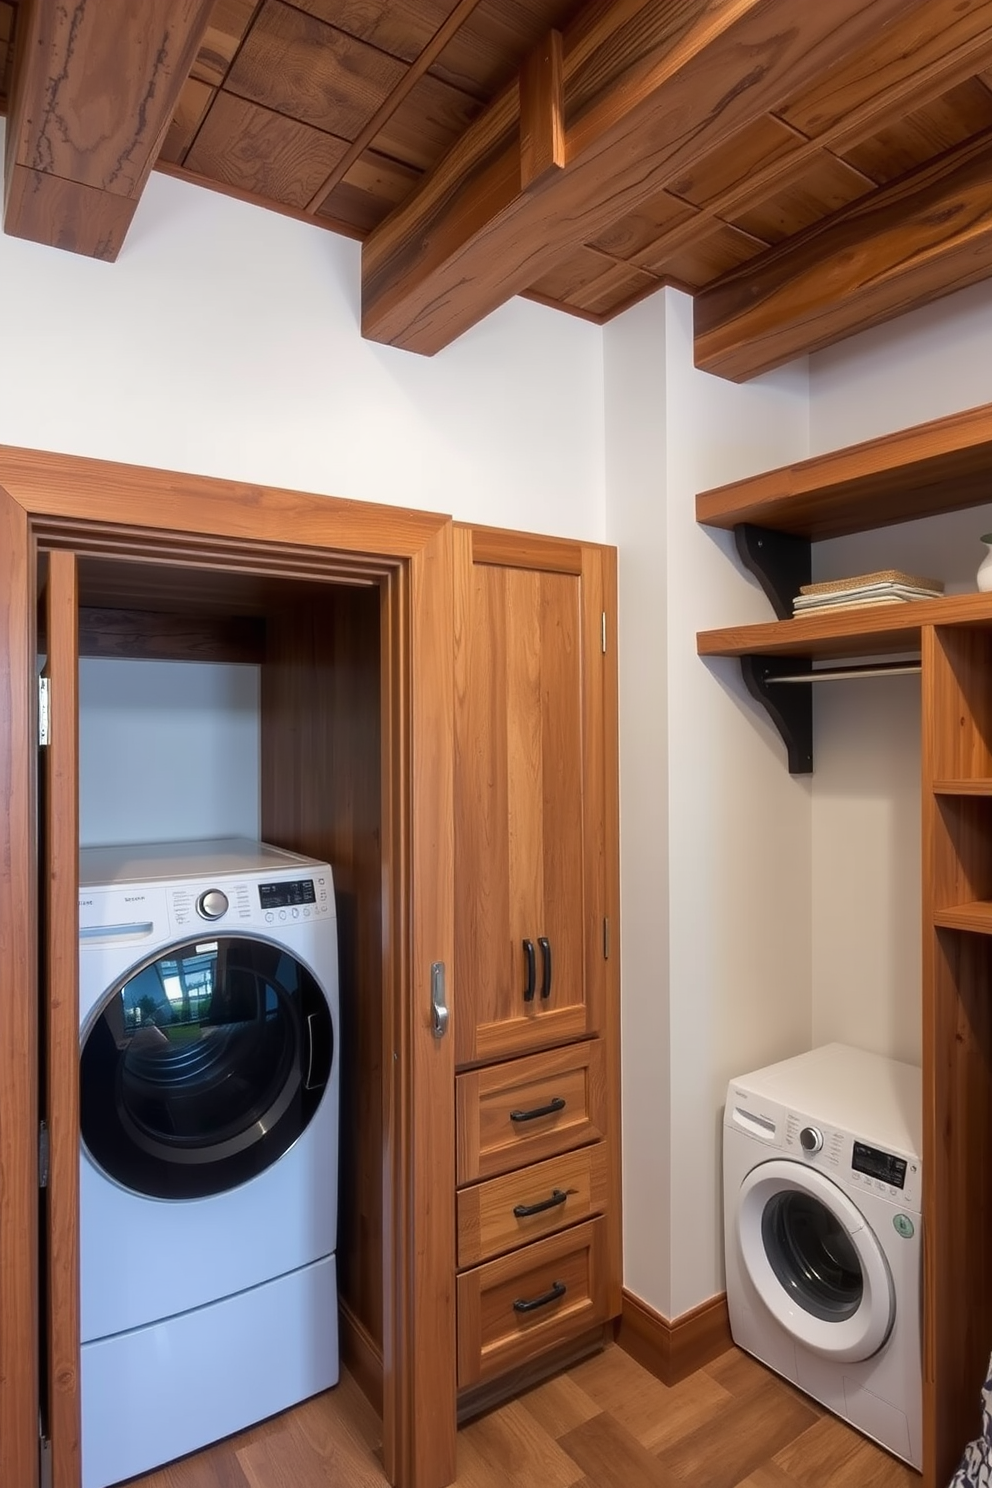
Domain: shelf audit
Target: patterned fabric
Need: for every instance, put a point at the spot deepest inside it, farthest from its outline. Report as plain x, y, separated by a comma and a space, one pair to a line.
976, 1464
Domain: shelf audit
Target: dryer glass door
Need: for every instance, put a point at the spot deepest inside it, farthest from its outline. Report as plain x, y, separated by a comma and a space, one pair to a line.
814, 1260
203, 1066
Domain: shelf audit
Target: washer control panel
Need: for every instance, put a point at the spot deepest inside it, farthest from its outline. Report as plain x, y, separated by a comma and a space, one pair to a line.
894, 1176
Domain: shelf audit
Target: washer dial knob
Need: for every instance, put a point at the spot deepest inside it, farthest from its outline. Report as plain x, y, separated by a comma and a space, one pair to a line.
810, 1139
212, 904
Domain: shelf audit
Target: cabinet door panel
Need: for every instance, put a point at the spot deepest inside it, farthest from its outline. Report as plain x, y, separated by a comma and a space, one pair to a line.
520, 808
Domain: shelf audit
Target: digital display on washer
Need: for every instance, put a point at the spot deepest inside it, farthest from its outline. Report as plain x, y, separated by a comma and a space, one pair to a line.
281, 895
876, 1164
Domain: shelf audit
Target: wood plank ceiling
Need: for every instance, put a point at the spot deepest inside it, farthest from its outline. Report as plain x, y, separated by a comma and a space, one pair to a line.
802, 170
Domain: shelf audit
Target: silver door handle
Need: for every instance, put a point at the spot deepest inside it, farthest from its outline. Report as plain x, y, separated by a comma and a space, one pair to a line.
439, 1007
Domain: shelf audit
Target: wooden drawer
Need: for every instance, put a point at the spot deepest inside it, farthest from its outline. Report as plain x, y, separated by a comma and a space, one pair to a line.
499, 1120
494, 1335
487, 1224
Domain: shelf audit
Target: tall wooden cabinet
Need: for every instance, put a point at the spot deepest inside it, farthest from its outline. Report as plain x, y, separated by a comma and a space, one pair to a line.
922, 471
349, 612
536, 943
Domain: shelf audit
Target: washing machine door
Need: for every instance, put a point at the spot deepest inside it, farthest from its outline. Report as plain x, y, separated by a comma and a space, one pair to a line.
814, 1261
202, 1066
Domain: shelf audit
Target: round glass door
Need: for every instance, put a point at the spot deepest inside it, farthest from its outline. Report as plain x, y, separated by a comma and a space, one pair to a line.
203, 1066
814, 1261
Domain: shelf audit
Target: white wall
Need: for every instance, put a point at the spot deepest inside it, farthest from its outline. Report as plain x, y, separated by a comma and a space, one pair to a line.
866, 935
716, 972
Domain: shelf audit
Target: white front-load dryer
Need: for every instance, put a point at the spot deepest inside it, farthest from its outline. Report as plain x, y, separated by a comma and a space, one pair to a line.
823, 1233
209, 1154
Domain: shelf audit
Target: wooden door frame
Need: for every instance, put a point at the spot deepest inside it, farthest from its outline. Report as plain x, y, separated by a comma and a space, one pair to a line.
61, 502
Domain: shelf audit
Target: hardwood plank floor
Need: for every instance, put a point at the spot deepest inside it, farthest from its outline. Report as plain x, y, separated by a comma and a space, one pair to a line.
607, 1423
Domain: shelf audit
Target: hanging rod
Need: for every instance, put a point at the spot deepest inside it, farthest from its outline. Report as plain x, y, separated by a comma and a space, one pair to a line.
840, 674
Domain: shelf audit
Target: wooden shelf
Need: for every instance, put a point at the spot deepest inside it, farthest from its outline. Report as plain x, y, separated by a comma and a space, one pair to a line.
872, 631
976, 916
937, 467
981, 787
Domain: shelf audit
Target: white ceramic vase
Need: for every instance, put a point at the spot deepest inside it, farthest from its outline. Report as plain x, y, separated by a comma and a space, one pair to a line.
985, 567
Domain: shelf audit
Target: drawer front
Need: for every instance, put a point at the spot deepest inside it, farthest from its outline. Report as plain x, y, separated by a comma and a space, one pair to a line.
561, 1283
529, 1109
558, 1193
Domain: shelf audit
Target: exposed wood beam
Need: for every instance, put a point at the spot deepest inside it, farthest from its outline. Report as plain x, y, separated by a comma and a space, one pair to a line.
542, 113
95, 86
907, 243
950, 46
649, 88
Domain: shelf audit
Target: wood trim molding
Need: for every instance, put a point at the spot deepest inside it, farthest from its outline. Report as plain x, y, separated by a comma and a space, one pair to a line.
673, 1349
360, 1355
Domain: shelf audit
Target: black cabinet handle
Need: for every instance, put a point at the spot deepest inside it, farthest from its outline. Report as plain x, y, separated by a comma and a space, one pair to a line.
524, 1211
528, 1304
555, 1104
528, 946
545, 945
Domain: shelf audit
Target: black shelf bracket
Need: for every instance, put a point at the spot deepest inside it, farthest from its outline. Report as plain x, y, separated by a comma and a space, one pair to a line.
780, 562
790, 708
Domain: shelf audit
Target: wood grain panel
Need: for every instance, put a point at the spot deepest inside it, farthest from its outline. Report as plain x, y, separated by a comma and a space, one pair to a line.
92, 101
297, 65
468, 239
161, 637
490, 1143
947, 40
321, 767
19, 1300
924, 133
718, 248
520, 808
262, 152
758, 144
654, 219
943, 465
60, 1019
370, 189
226, 28
827, 185
493, 1336
425, 123
488, 1225
919, 238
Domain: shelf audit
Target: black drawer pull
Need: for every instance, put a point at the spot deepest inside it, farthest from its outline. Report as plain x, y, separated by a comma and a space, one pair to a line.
524, 1211
528, 946
545, 945
554, 1104
528, 1304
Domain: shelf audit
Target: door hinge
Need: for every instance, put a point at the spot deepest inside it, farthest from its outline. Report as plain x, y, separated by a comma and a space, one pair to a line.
44, 709
44, 1462
606, 938
43, 1155
603, 632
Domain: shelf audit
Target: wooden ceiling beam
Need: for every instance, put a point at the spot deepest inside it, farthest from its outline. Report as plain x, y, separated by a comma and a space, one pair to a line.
950, 47
95, 87
907, 243
650, 86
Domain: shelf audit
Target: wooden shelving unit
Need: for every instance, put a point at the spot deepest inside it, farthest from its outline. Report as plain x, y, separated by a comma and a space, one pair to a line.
938, 467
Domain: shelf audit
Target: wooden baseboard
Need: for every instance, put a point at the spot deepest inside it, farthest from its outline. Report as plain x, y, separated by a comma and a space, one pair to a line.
671, 1350
360, 1355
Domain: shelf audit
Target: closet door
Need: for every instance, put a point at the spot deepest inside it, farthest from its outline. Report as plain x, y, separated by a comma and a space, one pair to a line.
18, 1004
60, 1404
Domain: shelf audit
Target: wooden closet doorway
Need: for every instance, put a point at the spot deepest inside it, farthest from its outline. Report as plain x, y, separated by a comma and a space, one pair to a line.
75, 531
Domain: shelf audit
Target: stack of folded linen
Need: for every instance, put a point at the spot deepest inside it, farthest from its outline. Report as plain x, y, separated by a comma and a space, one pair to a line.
888, 586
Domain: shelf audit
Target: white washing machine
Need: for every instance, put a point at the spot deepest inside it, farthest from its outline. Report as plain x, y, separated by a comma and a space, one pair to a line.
209, 1119
824, 1244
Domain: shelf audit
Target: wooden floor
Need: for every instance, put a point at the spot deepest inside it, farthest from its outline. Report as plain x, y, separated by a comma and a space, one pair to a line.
607, 1423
